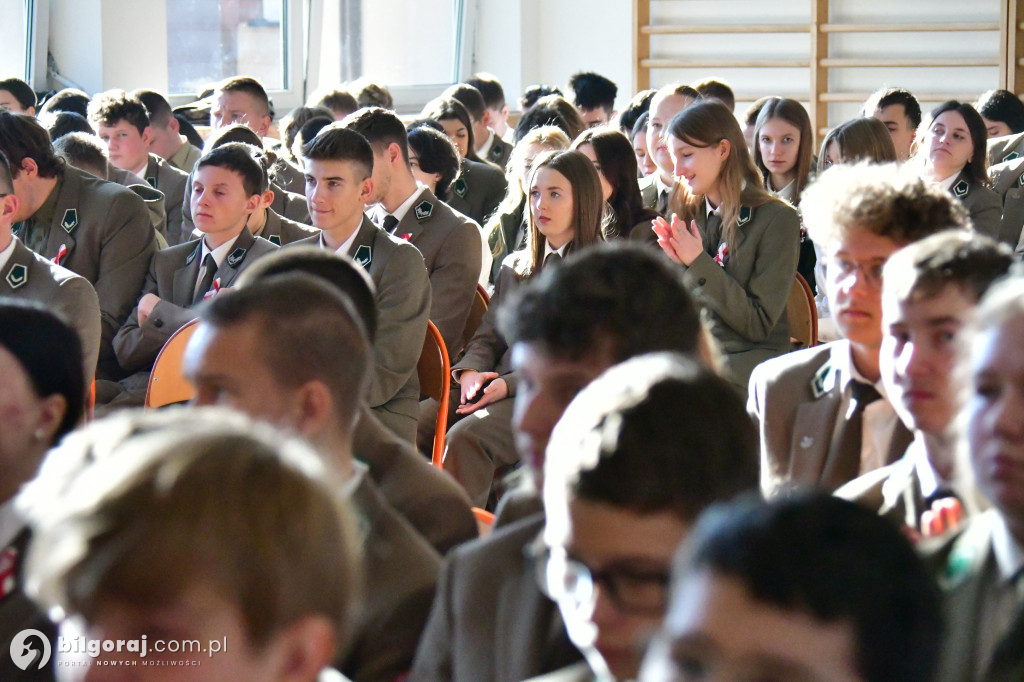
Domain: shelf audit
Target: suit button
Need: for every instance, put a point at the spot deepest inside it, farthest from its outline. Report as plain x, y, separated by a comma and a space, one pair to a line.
701, 281
158, 323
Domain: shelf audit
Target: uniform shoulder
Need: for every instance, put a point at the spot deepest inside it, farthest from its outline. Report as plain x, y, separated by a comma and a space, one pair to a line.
806, 361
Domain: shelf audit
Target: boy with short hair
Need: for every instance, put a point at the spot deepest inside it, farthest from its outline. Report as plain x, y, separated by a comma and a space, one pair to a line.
226, 189
339, 165
182, 523
16, 95
166, 139
900, 111
122, 122
494, 99
804, 588
489, 145
930, 291
594, 95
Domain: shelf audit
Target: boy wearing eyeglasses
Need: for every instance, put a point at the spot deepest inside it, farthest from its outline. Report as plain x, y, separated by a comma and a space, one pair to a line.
823, 414
642, 451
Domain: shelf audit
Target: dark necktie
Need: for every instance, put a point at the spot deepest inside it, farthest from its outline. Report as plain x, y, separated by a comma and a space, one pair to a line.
390, 223
662, 205
844, 459
713, 234
552, 259
207, 281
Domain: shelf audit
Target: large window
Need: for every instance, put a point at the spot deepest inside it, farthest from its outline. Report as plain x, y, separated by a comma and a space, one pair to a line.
15, 39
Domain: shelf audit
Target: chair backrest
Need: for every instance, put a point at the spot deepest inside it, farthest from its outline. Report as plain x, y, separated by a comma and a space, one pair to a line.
167, 384
802, 314
481, 301
484, 520
434, 372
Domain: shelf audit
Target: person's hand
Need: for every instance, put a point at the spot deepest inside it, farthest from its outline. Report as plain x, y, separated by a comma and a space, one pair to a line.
495, 391
146, 305
944, 515
682, 243
470, 381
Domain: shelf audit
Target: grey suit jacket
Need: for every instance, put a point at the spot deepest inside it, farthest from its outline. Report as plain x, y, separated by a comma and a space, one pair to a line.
29, 276
429, 499
894, 492
1007, 182
450, 244
478, 190
399, 572
105, 235
745, 301
185, 158
965, 568
490, 622
983, 204
794, 401
172, 276
171, 182
403, 308
1005, 148
281, 231
499, 152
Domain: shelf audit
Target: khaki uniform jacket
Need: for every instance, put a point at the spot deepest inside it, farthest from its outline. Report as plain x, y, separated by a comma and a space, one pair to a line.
745, 300
1007, 182
894, 492
403, 308
490, 622
287, 176
399, 572
1005, 148
172, 276
983, 204
281, 231
108, 239
794, 401
477, 191
30, 277
428, 498
451, 248
499, 152
965, 567
186, 157
171, 182
508, 234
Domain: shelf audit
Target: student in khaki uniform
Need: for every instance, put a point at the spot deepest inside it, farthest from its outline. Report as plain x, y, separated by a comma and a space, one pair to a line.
953, 156
489, 146
122, 122
737, 243
1006, 181
94, 228
227, 189
166, 140
27, 276
900, 112
429, 499
233, 510
339, 167
290, 350
823, 414
496, 114
480, 187
450, 242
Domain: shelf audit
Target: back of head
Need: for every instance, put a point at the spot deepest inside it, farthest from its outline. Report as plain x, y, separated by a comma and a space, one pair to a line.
22, 137
618, 297
859, 139
236, 132
470, 98
307, 132
228, 505
435, 153
533, 93
50, 353
158, 107
244, 159
490, 89
295, 119
338, 142
883, 199
834, 561
339, 101
885, 97
68, 99
350, 279
961, 259
753, 111
60, 123
554, 110
381, 127
21, 91
712, 88
84, 152
370, 94
250, 86
113, 106
309, 331
637, 107
1002, 106
593, 91
655, 433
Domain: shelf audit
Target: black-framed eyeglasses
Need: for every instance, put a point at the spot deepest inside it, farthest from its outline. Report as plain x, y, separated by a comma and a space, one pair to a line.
634, 591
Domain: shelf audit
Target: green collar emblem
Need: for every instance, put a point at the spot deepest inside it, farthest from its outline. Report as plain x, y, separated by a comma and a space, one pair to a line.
423, 210
460, 188
17, 275
960, 188
70, 220
274, 239
236, 257
364, 255
744, 218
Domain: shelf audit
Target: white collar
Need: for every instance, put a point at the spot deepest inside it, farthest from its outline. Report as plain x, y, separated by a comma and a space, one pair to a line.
345, 245
1008, 552
486, 147
947, 184
929, 479
848, 372
560, 251
404, 207
662, 187
219, 253
6, 254
141, 171
359, 471
708, 210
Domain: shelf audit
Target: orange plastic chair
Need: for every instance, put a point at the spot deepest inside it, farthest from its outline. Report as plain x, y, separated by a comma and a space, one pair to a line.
434, 371
802, 314
484, 520
481, 302
167, 384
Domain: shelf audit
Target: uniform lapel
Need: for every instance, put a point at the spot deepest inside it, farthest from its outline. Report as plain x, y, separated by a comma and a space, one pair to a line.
411, 225
153, 172
815, 422
184, 283
272, 228
16, 272
361, 249
232, 265
66, 219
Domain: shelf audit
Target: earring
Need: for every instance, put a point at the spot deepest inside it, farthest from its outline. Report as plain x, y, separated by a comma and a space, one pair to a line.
39, 434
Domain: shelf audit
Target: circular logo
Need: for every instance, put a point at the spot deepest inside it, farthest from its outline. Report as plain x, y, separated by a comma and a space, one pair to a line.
30, 649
